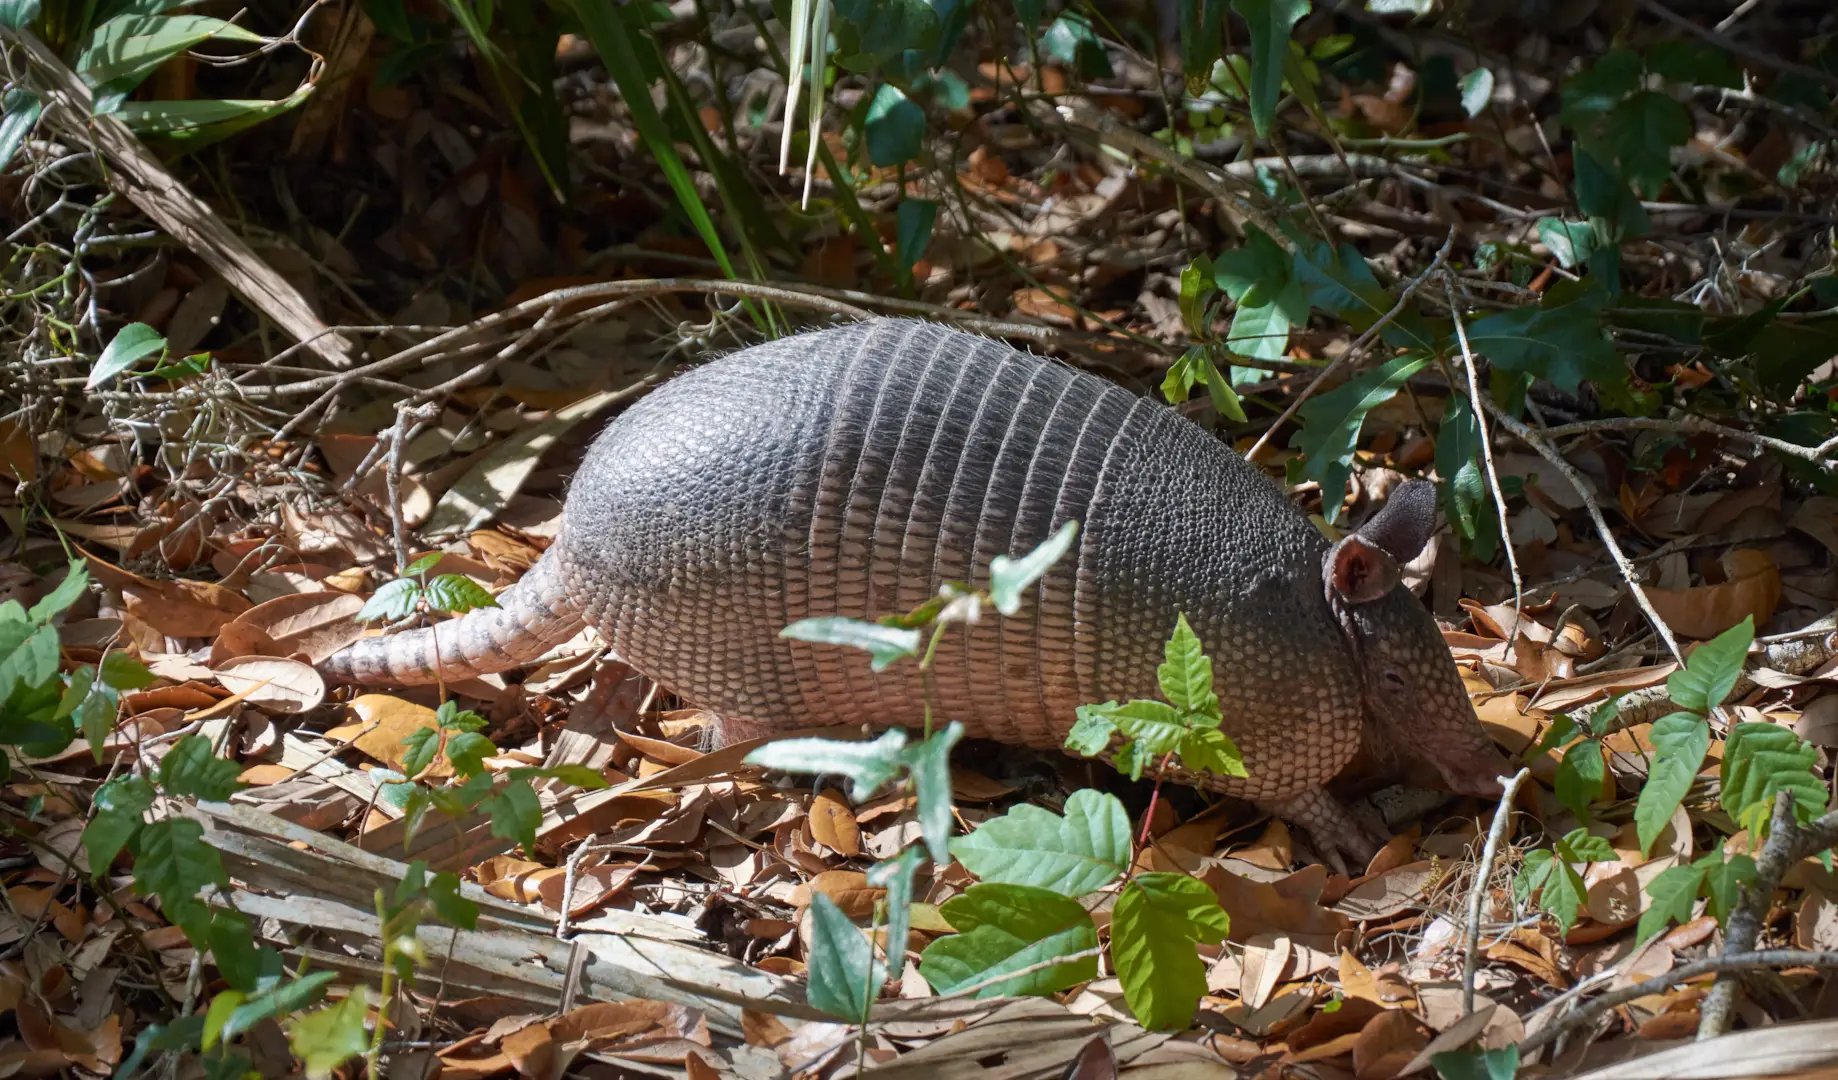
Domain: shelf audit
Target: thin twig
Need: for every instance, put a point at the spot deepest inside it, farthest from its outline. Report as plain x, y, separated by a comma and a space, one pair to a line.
1753, 961
574, 866
1493, 474
1354, 351
1482, 875
1694, 425
1730, 44
1545, 450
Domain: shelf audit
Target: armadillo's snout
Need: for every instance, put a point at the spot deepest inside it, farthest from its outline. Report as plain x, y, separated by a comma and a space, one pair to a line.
1471, 770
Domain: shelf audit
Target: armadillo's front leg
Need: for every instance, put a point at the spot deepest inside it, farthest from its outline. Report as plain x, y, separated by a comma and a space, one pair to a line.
1345, 842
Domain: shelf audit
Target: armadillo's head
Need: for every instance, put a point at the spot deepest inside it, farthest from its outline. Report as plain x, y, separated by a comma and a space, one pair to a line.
1412, 690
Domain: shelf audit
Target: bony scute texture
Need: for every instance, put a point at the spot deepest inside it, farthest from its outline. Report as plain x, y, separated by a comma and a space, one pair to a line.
853, 471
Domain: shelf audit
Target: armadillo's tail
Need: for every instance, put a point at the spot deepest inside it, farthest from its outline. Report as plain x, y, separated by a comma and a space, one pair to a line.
532, 616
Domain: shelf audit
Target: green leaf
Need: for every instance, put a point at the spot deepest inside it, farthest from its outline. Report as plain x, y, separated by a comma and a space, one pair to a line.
327, 1038
1339, 282
1009, 578
1154, 927
1186, 673
844, 975
1599, 88
467, 750
913, 230
124, 672
190, 768
930, 764
457, 594
422, 744
1458, 460
872, 32
1674, 892
395, 600
19, 112
1331, 423
1225, 399
17, 15
195, 123
1643, 130
1710, 673
288, 998
453, 909
68, 591
120, 804
515, 813
1003, 928
581, 776
894, 126
174, 862
424, 564
1689, 60
234, 951
1723, 880
1269, 22
1571, 241
1213, 751
222, 1007
1562, 893
884, 643
450, 717
1151, 729
1476, 91
1582, 846
1550, 875
867, 765
1501, 1064
896, 876
124, 50
1197, 285
1579, 776
1680, 742
1558, 339
31, 659
1073, 855
1604, 196
1093, 729
1072, 41
1760, 760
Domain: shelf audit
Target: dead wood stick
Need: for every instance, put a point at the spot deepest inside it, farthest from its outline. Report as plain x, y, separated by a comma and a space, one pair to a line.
135, 172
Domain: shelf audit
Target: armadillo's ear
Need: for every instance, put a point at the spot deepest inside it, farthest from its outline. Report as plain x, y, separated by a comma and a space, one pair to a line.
1405, 523
1360, 571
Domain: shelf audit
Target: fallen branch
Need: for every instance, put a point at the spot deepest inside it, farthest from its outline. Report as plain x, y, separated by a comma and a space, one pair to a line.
1787, 844
1482, 874
136, 173
1586, 1015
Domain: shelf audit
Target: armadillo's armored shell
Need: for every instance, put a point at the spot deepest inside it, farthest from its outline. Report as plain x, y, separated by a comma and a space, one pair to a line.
853, 471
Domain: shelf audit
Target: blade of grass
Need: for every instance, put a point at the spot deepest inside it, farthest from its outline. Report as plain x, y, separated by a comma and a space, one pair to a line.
495, 62
608, 34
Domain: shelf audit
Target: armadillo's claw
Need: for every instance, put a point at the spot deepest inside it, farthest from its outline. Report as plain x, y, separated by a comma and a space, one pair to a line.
1345, 843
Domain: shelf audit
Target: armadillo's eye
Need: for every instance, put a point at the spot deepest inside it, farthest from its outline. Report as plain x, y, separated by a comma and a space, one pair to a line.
1391, 680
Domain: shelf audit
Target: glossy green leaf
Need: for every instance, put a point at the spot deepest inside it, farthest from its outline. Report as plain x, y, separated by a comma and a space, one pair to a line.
1331, 423
58, 601
1459, 462
1724, 879
222, 1007
913, 230
1689, 60
1156, 923
1501, 1064
124, 672
120, 806
234, 951
190, 768
1003, 928
1269, 22
174, 862
1559, 339
194, 123
515, 813
290, 997
1673, 893
17, 15
884, 644
1186, 672
1073, 855
327, 1038
1711, 671
896, 876
1680, 742
894, 127
397, 599
129, 346
1760, 760
125, 49
1072, 41
424, 564
1476, 91
1644, 129
450, 717
421, 744
453, 909
28, 656
844, 974
457, 594
1572, 242
930, 765
1009, 578
1579, 776
867, 765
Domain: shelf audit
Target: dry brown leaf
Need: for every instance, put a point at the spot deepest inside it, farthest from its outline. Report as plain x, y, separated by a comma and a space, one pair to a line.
1818, 724
848, 888
1751, 589
1817, 925
177, 608
18, 454
593, 886
762, 1029
1329, 1028
1387, 1043
530, 1050
834, 826
315, 624
1266, 957
513, 879
1289, 905
970, 786
274, 684
1386, 894
380, 723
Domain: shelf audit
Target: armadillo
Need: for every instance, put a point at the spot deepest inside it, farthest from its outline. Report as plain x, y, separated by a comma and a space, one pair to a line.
852, 471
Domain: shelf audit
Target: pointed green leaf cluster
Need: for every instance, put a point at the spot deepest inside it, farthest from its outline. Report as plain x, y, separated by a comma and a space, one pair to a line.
1552, 876
1187, 725
1196, 367
885, 644
1761, 760
1331, 423
1260, 279
1677, 889
1157, 921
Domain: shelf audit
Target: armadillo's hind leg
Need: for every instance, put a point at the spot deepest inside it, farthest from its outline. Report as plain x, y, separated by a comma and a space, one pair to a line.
1346, 843
532, 616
